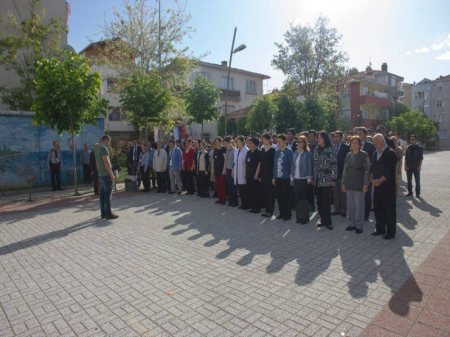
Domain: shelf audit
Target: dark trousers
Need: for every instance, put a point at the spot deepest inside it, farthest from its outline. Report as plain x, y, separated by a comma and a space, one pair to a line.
255, 194
87, 173
283, 190
243, 194
202, 184
368, 201
55, 175
220, 188
310, 196
409, 173
183, 180
231, 190
95, 181
269, 194
385, 208
189, 176
106, 192
161, 180
324, 204
167, 180
301, 202
145, 178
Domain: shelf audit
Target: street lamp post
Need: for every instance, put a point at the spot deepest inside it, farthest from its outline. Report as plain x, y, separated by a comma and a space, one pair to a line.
238, 49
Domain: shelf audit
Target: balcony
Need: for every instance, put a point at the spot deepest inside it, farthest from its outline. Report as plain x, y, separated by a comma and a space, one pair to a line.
375, 101
233, 95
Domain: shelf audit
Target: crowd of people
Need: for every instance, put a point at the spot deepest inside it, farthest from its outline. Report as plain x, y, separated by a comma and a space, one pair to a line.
355, 172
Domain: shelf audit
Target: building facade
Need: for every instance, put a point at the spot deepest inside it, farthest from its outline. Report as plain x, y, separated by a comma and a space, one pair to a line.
440, 104
421, 97
21, 9
364, 98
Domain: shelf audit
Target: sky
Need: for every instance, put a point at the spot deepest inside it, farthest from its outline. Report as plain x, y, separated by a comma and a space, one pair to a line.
411, 36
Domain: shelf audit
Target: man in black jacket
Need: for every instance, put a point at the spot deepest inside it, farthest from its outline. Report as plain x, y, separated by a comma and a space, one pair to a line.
382, 129
413, 164
291, 142
383, 178
339, 198
368, 147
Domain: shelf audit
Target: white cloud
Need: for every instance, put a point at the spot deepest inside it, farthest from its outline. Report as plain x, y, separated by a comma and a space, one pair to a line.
422, 50
408, 53
444, 57
445, 42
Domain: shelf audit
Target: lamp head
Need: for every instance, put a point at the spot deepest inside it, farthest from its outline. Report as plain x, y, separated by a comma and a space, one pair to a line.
238, 49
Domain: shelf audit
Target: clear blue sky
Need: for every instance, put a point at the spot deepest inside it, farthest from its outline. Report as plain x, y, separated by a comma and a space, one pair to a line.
412, 36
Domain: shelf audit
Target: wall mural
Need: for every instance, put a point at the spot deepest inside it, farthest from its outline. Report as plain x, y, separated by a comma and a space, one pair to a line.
24, 143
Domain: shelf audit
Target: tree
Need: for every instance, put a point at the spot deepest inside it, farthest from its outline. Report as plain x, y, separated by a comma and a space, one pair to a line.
144, 101
311, 58
291, 114
242, 129
29, 174
414, 122
261, 116
397, 109
201, 101
231, 124
67, 97
24, 42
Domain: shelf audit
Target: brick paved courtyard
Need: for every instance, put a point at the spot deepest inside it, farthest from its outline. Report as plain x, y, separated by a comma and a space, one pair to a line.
183, 266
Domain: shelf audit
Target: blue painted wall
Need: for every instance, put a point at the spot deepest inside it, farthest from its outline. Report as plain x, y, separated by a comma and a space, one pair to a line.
23, 142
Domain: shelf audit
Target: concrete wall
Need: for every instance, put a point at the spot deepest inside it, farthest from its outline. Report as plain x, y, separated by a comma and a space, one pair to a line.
442, 115
415, 103
22, 142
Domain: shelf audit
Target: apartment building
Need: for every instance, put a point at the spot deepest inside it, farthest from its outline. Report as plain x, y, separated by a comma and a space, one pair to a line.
420, 98
365, 96
440, 104
21, 9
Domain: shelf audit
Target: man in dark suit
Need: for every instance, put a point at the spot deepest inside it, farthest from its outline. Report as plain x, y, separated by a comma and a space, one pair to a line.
291, 142
133, 159
339, 198
382, 129
383, 178
368, 147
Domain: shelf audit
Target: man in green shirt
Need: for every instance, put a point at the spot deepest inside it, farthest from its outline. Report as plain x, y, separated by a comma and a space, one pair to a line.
106, 177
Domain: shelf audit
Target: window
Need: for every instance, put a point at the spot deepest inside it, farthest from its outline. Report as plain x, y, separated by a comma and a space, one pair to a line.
442, 133
365, 91
439, 88
250, 86
115, 115
438, 103
419, 95
206, 75
224, 83
110, 83
366, 114
393, 81
346, 93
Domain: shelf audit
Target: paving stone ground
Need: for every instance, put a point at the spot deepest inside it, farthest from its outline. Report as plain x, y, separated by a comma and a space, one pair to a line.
184, 266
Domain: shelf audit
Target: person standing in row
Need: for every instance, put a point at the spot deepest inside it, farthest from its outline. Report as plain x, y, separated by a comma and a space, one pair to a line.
291, 142
281, 177
266, 174
93, 170
382, 175
175, 165
355, 182
399, 153
145, 167
301, 177
202, 167
369, 148
106, 178
312, 144
189, 166
238, 171
86, 162
160, 166
413, 164
55, 163
231, 187
133, 159
339, 198
252, 168
220, 157
325, 171
382, 129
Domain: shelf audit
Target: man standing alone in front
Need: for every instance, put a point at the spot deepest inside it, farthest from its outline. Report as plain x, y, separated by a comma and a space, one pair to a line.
54, 160
413, 164
105, 177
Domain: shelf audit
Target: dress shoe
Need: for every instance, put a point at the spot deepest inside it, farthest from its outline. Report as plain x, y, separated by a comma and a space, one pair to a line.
111, 216
319, 224
377, 233
171, 192
359, 230
350, 228
417, 195
103, 217
388, 237
280, 217
335, 213
287, 219
344, 214
240, 207
409, 194
158, 191
252, 211
231, 206
330, 227
266, 215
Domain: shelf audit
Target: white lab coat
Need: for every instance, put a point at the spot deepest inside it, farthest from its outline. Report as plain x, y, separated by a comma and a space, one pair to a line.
239, 163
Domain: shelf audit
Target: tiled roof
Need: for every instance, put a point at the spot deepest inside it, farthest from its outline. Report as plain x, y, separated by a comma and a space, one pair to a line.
443, 78
219, 66
239, 113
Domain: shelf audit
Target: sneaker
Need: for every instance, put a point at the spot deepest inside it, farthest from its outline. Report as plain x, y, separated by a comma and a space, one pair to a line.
111, 216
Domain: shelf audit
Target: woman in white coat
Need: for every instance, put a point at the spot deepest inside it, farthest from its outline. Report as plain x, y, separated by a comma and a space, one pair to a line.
238, 171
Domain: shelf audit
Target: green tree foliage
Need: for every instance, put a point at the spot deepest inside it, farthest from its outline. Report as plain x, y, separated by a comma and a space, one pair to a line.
261, 116
144, 101
291, 114
311, 57
398, 109
414, 122
201, 100
231, 126
242, 127
24, 42
67, 96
